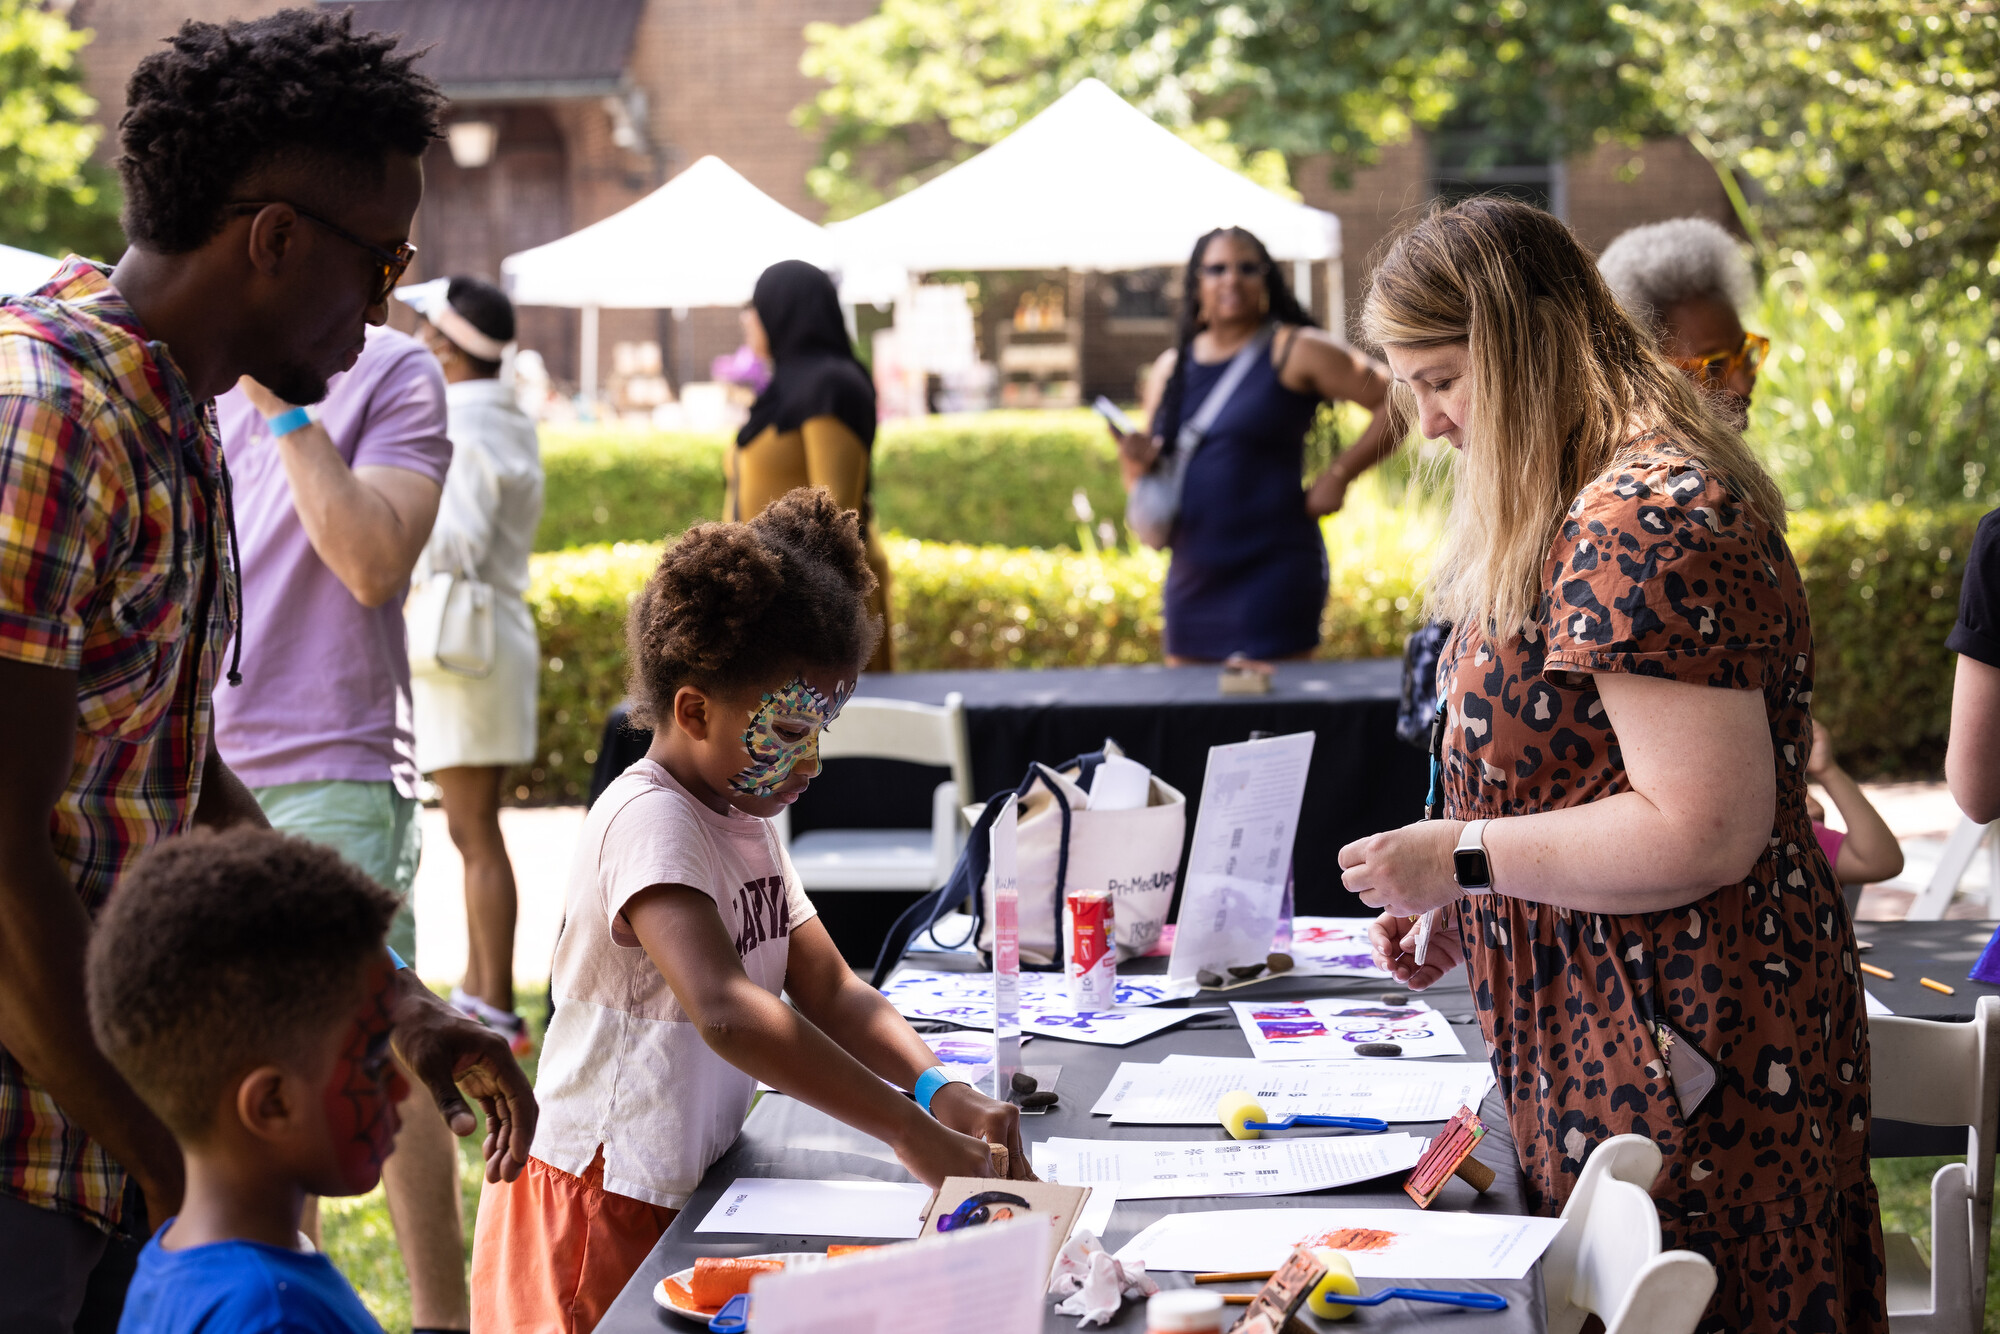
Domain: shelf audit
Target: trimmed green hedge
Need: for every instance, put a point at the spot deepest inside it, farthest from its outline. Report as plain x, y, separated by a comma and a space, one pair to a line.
1003, 478
1883, 582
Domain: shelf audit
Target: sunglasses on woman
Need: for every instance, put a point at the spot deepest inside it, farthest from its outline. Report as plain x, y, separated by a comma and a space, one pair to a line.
1721, 367
393, 263
1249, 268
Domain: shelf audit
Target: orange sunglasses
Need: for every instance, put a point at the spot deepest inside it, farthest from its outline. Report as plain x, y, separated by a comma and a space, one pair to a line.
1719, 367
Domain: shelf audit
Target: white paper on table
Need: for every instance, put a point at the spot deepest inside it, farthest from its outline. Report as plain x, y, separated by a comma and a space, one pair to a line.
886, 1209
1163, 1169
988, 1278
1874, 1003
1183, 1091
1241, 854
1334, 947
1120, 784
1329, 1029
1408, 1243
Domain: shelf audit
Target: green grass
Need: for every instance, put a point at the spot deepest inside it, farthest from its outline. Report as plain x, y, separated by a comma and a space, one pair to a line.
359, 1237
1904, 1185
357, 1233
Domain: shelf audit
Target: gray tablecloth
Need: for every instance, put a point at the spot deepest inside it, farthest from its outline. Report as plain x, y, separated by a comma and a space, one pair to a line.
784, 1138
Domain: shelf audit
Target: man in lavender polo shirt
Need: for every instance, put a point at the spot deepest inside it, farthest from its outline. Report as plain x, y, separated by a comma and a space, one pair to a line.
331, 517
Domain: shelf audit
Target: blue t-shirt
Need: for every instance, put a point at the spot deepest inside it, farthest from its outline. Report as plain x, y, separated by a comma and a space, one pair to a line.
240, 1287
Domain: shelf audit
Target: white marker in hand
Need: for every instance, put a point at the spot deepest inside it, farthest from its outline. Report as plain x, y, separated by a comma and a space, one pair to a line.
1423, 947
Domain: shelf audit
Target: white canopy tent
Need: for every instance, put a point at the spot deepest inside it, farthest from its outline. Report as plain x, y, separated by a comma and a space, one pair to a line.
699, 240
1090, 183
23, 270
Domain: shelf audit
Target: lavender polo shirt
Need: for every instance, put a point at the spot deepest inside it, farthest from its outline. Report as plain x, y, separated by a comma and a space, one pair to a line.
326, 681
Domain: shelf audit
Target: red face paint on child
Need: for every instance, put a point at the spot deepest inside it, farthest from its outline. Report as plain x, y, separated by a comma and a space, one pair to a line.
361, 1095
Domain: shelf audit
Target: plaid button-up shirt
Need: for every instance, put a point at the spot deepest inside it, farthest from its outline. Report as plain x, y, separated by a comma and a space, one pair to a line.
112, 566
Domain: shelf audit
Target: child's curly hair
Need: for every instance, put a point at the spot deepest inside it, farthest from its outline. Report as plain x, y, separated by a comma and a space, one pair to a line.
734, 604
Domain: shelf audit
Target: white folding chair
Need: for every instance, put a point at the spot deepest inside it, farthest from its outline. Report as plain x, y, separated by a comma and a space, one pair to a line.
906, 859
1943, 1074
1956, 859
1607, 1260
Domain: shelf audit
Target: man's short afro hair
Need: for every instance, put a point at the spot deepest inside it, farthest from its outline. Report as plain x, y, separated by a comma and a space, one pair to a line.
227, 102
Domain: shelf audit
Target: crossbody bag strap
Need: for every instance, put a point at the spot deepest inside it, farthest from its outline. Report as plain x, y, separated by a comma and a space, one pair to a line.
1196, 428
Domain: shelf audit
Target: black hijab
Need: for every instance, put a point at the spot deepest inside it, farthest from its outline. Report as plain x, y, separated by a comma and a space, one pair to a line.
815, 372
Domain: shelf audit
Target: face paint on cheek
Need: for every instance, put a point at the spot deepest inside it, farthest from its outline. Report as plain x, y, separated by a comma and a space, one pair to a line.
360, 1096
773, 757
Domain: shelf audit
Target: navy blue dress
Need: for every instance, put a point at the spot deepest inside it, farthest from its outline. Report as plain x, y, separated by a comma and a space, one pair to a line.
1249, 571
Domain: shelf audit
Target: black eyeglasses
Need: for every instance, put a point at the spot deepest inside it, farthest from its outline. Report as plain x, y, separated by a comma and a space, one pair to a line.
1249, 268
394, 263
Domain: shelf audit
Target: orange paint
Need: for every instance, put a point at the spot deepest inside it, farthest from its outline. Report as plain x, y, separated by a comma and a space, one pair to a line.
1352, 1239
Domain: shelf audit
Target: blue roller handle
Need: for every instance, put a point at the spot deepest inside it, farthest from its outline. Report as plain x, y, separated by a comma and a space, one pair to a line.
1477, 1301
734, 1317
1367, 1125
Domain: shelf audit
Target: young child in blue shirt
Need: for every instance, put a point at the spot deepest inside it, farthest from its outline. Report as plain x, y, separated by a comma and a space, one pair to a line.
240, 982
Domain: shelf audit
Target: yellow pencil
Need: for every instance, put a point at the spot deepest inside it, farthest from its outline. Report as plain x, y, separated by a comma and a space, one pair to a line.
1882, 973
1937, 986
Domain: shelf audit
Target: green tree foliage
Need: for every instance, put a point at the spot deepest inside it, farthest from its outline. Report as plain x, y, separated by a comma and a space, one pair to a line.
924, 83
52, 196
1870, 126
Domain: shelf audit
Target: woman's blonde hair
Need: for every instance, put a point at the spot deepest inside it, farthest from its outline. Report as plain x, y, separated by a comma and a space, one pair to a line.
1562, 381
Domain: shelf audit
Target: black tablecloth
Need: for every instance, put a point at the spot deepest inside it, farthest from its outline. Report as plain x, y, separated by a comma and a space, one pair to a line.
1362, 779
784, 1138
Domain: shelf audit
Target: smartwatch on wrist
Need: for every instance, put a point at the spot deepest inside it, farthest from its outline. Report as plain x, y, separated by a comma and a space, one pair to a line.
1468, 860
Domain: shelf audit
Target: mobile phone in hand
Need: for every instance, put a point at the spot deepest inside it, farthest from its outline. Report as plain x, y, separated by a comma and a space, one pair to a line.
1113, 414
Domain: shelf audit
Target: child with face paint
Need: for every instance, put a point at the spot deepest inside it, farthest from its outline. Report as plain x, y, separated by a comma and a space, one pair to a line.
685, 921
240, 982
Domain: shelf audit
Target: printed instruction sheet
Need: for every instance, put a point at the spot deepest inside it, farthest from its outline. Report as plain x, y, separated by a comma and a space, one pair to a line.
1183, 1090
1164, 1169
1241, 855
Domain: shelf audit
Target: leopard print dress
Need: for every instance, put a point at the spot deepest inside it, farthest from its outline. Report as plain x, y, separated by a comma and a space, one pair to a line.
1602, 1024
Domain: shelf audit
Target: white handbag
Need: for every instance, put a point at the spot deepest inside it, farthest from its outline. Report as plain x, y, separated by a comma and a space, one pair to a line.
1065, 847
452, 632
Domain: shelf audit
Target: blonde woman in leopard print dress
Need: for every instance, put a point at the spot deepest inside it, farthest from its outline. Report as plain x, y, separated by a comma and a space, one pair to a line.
1659, 947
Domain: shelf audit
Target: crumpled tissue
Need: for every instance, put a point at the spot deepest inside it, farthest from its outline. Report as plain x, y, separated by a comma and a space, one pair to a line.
1092, 1283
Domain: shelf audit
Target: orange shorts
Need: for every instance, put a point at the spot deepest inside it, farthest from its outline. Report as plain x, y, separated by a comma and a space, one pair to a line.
551, 1251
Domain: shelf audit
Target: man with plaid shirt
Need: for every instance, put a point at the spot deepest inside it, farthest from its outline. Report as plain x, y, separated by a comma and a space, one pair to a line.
272, 171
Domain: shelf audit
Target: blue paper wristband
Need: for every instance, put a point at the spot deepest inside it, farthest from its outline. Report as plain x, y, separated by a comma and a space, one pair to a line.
928, 1084
396, 959
286, 422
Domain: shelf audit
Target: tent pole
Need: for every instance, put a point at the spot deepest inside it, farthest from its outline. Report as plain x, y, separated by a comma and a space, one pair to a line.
1302, 283
1336, 300
587, 354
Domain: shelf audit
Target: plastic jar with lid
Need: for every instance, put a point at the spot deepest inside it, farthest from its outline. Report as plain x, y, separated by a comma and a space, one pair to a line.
1184, 1311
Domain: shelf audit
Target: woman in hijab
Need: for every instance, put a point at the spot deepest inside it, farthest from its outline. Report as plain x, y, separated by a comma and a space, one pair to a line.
815, 423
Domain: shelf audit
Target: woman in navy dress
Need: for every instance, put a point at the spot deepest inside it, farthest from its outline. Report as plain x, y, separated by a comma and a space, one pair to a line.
1249, 572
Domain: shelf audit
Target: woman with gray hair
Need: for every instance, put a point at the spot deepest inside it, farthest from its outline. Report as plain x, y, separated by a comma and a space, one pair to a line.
1686, 279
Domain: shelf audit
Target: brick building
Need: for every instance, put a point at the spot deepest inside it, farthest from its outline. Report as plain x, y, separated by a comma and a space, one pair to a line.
587, 105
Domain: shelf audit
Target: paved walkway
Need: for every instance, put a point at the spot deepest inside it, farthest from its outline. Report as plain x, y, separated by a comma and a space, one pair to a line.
541, 840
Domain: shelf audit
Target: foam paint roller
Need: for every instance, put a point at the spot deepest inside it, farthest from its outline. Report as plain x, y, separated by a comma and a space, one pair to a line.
1338, 1281
1449, 1155
1244, 1118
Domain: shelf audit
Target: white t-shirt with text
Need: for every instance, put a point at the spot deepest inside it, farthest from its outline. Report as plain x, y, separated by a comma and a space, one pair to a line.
623, 1068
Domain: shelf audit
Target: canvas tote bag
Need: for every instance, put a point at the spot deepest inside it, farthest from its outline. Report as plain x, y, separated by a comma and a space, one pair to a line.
1063, 847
